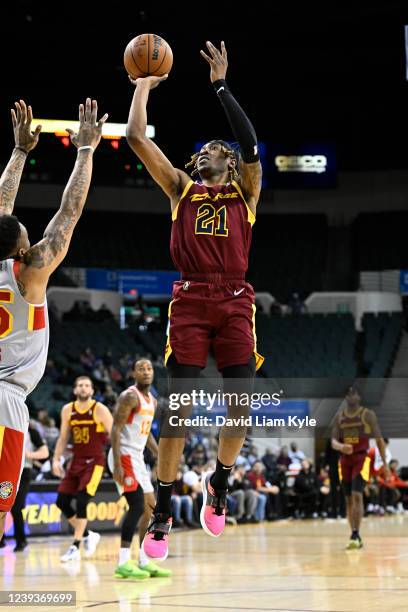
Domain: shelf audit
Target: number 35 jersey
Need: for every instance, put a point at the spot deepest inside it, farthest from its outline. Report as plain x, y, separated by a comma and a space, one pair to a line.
212, 230
24, 333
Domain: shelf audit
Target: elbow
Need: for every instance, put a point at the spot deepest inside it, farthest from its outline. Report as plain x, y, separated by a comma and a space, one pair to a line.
135, 138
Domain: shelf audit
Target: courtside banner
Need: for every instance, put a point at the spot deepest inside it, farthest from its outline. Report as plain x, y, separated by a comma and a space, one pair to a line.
42, 517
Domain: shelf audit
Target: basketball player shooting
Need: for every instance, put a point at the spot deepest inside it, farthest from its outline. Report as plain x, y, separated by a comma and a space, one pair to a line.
24, 274
212, 304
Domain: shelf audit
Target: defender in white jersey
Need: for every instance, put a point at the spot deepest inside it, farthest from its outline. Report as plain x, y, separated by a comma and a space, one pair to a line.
130, 435
24, 274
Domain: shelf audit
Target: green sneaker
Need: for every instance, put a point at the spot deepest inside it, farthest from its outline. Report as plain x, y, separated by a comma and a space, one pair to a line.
354, 544
155, 571
130, 570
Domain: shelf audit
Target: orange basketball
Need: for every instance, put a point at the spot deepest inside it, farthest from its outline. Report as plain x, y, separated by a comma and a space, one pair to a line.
148, 54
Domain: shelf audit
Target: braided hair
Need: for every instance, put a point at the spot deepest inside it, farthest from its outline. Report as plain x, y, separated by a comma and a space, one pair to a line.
229, 152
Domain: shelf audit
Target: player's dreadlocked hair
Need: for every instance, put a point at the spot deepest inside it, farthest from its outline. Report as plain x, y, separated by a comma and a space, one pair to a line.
229, 152
10, 231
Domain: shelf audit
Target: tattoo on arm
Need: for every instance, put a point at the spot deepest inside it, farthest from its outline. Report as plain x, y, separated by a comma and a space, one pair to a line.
59, 231
10, 181
127, 402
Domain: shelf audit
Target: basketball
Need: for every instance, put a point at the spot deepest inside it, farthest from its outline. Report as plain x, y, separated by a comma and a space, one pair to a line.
148, 54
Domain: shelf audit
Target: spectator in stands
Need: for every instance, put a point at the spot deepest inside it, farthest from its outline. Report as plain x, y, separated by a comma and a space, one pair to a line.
87, 359
270, 463
109, 397
101, 374
198, 456
253, 454
296, 456
241, 489
296, 305
324, 491
264, 489
182, 503
51, 371
283, 460
391, 490
307, 489
50, 432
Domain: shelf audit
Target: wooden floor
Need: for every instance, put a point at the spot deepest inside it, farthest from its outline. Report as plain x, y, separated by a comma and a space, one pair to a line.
287, 566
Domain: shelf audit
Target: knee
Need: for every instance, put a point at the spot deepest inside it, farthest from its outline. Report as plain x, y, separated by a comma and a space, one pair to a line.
82, 501
64, 504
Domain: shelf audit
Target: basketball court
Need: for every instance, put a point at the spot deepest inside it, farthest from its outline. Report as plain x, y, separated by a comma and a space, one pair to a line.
287, 566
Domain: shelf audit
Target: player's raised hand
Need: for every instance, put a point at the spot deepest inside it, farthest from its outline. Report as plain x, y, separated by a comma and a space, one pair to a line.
150, 81
22, 118
90, 129
347, 449
218, 61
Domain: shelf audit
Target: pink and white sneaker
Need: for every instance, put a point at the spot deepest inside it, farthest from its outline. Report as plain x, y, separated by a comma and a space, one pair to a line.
212, 515
155, 542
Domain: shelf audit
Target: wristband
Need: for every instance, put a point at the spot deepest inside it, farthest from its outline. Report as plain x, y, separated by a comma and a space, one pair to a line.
86, 147
21, 149
220, 86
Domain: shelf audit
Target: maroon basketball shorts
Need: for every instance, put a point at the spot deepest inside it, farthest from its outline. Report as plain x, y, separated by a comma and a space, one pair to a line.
354, 471
84, 474
221, 315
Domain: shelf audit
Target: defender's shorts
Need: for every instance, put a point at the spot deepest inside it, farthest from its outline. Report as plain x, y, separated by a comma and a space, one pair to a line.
84, 474
218, 314
14, 420
135, 472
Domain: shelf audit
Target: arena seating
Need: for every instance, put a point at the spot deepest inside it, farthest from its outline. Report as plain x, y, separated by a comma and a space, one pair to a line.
380, 241
382, 334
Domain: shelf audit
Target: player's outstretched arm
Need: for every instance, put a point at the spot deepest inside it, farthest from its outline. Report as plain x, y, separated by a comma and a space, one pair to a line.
169, 178
25, 141
127, 401
250, 168
44, 257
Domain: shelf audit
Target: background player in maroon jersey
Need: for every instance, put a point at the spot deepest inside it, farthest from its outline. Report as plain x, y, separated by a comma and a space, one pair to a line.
353, 427
212, 304
89, 422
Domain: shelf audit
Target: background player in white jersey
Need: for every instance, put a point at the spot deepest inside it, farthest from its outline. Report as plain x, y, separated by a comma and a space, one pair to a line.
130, 434
24, 274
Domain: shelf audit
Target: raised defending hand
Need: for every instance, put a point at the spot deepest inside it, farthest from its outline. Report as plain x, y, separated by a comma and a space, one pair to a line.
218, 61
150, 81
22, 118
90, 129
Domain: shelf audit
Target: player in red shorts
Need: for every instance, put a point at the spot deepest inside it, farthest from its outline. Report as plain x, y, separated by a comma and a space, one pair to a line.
24, 273
212, 305
353, 428
89, 422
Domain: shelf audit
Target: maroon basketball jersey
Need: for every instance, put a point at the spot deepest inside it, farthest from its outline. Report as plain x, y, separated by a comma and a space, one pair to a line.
212, 230
355, 430
88, 435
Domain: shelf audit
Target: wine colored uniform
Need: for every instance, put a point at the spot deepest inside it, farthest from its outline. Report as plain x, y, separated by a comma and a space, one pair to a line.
87, 465
212, 304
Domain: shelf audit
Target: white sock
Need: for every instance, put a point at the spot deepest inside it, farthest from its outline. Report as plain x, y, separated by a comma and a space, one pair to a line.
124, 555
143, 559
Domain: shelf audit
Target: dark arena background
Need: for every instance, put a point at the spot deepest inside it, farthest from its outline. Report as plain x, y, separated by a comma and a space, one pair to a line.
325, 86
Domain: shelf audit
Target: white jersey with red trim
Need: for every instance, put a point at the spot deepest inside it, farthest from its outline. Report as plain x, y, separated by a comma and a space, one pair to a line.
134, 434
24, 333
